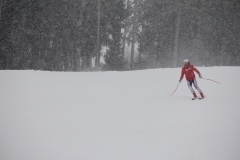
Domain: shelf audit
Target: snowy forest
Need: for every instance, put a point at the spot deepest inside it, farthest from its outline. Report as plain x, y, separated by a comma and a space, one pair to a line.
91, 35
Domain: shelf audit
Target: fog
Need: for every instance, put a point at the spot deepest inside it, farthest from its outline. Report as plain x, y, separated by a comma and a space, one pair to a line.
93, 35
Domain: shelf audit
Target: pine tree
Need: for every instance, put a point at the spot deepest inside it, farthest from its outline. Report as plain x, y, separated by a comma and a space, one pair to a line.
114, 13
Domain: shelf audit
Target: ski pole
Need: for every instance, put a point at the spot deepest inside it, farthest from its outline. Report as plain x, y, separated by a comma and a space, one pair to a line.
211, 80
175, 89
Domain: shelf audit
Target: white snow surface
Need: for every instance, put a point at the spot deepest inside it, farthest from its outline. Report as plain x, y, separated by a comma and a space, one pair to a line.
119, 115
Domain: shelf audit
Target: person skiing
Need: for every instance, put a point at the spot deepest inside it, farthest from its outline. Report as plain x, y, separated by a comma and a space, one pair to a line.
188, 71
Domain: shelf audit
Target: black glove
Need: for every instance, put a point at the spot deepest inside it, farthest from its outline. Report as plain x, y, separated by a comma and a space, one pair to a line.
200, 76
180, 80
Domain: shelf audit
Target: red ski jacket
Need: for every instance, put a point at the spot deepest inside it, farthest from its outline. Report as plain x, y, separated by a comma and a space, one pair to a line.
188, 72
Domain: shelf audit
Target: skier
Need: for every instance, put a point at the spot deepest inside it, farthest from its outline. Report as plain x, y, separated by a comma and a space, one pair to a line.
187, 70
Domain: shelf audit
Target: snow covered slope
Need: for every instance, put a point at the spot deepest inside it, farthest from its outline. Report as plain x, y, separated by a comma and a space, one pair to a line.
119, 116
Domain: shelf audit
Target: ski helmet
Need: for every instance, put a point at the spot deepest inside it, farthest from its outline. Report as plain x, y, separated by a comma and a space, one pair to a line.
186, 61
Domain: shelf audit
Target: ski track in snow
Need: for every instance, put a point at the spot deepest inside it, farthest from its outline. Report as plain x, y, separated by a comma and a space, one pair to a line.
119, 115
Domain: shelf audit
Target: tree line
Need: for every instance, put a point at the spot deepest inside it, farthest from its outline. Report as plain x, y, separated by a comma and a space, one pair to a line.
69, 35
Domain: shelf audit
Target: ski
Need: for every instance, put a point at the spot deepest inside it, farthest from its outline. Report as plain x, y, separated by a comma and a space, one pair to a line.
197, 98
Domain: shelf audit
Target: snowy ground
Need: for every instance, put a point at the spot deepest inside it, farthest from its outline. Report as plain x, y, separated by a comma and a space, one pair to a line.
119, 116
